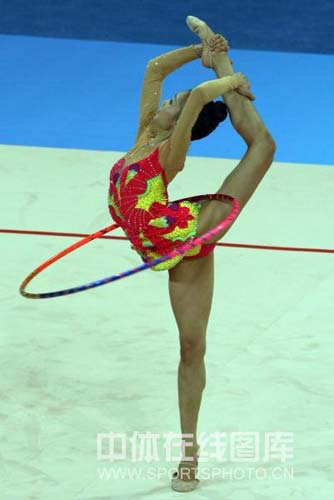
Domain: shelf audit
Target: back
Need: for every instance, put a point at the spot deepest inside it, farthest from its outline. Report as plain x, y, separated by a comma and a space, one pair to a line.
181, 136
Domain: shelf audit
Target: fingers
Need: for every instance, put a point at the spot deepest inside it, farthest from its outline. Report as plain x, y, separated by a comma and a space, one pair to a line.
218, 44
246, 93
242, 79
218, 47
243, 87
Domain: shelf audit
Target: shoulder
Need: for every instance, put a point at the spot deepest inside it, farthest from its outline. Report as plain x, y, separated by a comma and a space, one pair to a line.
170, 168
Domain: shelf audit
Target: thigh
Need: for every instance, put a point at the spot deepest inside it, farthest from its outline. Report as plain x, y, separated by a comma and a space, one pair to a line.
191, 291
240, 184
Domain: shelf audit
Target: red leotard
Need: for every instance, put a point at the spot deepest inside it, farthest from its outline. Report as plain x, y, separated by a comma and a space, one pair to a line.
138, 202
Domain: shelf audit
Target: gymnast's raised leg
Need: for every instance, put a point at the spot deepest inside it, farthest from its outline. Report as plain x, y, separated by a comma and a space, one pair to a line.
244, 179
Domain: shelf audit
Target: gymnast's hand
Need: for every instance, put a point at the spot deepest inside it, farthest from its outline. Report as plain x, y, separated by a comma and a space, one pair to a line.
242, 80
244, 87
216, 44
211, 57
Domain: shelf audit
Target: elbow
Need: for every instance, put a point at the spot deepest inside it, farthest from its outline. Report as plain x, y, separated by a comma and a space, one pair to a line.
155, 66
152, 64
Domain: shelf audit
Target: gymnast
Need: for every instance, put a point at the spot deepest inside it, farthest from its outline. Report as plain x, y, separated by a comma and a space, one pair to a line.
138, 202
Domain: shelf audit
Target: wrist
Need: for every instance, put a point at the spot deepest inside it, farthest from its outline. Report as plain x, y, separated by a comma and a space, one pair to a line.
234, 81
198, 49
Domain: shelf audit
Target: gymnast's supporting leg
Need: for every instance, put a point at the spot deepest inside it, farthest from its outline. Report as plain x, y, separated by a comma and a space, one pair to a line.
191, 284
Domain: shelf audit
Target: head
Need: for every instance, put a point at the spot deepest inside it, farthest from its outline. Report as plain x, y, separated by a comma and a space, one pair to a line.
166, 118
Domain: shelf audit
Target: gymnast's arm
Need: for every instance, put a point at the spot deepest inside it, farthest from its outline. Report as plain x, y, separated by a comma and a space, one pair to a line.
198, 98
156, 70
170, 61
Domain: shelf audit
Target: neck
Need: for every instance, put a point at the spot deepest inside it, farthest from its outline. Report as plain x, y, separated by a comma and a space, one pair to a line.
157, 135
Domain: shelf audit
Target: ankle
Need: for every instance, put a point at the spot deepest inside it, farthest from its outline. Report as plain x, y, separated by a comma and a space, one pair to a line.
189, 450
221, 64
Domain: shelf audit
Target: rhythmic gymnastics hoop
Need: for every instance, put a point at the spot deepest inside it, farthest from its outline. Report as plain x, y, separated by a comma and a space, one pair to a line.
180, 251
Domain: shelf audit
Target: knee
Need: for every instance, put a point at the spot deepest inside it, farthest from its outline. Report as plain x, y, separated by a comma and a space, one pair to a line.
192, 351
266, 141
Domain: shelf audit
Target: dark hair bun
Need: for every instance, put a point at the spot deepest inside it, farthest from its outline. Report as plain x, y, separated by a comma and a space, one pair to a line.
208, 120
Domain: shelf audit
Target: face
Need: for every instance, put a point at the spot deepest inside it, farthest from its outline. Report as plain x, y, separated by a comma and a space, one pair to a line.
171, 110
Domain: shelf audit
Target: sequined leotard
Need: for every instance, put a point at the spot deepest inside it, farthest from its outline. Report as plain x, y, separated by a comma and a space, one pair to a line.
138, 202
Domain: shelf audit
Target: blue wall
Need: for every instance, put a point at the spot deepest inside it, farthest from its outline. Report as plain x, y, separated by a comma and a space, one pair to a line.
71, 75
285, 26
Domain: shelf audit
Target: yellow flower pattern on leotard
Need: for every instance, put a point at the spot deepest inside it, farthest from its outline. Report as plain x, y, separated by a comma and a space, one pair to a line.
138, 202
